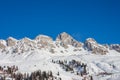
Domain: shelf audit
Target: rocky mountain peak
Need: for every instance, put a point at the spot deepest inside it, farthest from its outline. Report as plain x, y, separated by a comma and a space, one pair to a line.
92, 45
115, 47
65, 39
3, 44
43, 38
63, 36
11, 41
44, 41
91, 40
26, 41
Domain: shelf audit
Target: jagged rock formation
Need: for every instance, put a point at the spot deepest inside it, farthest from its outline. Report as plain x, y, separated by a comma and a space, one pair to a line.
2, 44
115, 47
93, 46
24, 45
11, 41
63, 43
44, 41
65, 39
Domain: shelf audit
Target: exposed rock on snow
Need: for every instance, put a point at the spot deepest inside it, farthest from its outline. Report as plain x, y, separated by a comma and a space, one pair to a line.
93, 46
25, 44
44, 41
62, 44
43, 38
31, 55
11, 41
115, 47
65, 39
2, 44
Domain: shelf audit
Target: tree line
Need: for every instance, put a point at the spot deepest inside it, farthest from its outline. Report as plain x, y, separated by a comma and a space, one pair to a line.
13, 74
76, 67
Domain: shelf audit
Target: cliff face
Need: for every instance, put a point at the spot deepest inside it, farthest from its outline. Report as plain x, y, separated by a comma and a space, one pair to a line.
44, 41
95, 47
63, 41
115, 47
2, 44
11, 41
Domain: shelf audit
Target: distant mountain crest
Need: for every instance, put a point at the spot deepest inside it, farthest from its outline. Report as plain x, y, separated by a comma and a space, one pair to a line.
95, 47
63, 40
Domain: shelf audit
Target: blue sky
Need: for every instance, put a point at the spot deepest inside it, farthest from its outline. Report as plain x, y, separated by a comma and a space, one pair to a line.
99, 19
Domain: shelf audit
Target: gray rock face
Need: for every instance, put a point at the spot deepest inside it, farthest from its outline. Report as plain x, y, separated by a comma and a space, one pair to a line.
44, 41
65, 39
43, 38
93, 46
115, 47
11, 41
2, 44
26, 44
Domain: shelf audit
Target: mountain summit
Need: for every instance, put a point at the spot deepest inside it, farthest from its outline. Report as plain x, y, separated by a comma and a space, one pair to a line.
65, 57
65, 40
62, 44
95, 47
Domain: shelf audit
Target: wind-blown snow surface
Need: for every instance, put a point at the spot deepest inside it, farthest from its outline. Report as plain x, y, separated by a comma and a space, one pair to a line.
41, 59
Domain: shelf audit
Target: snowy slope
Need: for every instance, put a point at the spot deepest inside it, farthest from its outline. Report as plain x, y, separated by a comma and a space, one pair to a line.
31, 55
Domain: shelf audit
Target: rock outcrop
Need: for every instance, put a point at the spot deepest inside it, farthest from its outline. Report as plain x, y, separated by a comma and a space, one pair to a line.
115, 47
65, 39
25, 45
2, 44
11, 42
44, 41
93, 46
63, 43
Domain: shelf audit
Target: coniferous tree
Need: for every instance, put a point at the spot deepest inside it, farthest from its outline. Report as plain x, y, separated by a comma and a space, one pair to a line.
58, 73
91, 78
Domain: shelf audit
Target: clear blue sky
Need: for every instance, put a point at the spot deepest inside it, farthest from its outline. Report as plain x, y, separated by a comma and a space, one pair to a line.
99, 19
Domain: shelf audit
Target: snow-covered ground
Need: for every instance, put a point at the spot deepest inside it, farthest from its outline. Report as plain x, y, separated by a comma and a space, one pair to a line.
41, 59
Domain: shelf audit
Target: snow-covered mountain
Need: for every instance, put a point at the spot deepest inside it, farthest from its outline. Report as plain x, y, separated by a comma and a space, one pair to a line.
64, 41
33, 54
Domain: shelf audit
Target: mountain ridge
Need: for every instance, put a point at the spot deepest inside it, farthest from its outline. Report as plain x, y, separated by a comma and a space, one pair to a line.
62, 40
44, 53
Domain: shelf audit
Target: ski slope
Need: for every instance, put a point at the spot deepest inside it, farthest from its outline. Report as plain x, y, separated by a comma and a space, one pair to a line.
41, 59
